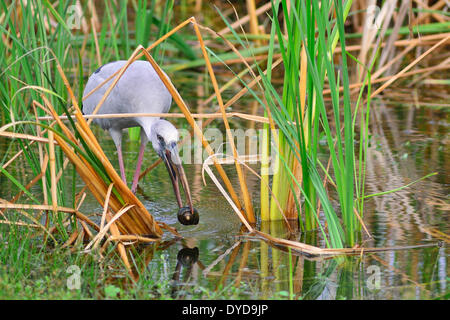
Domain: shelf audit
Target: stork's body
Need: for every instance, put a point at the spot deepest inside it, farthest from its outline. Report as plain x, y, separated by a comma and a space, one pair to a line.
139, 90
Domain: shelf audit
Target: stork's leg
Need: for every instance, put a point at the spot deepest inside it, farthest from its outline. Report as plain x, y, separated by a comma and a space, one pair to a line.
144, 141
122, 168
116, 135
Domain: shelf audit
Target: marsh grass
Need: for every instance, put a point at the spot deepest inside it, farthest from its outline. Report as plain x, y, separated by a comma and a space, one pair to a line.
307, 36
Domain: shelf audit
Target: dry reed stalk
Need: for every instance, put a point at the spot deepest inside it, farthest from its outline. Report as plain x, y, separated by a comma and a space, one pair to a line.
80, 199
395, 77
260, 57
435, 7
446, 62
42, 207
21, 136
172, 230
20, 208
391, 61
94, 20
316, 251
51, 155
106, 205
436, 233
1, 212
381, 21
243, 90
60, 172
243, 160
11, 160
198, 5
423, 40
238, 23
151, 167
254, 27
20, 223
245, 193
227, 197
129, 238
389, 50
102, 233
86, 230
97, 48
120, 246
409, 66
241, 115
362, 223
250, 85
437, 14
71, 239
78, 241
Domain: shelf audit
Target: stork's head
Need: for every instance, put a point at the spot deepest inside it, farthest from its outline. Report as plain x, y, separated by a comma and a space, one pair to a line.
164, 137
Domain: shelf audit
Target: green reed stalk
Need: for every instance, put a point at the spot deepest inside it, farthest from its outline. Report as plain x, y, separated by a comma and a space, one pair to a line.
319, 29
291, 58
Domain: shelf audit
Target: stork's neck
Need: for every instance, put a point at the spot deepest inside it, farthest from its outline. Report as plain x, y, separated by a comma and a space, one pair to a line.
146, 124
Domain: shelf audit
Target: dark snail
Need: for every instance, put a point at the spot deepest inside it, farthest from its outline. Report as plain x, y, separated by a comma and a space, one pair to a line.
186, 217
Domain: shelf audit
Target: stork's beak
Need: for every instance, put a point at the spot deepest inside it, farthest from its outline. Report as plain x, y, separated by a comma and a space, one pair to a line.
176, 172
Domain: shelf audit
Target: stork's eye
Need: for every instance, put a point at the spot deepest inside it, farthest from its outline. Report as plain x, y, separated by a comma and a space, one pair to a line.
160, 138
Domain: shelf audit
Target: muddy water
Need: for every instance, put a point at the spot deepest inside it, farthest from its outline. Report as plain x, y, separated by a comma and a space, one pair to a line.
407, 143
